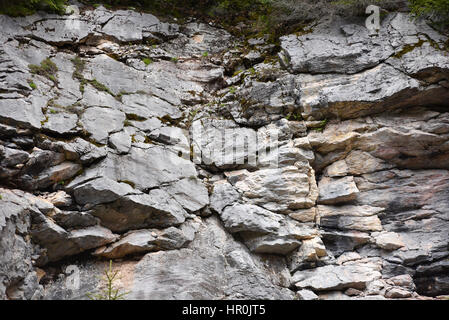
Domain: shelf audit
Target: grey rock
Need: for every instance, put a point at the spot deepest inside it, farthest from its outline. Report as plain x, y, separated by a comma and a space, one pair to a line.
397, 292
137, 211
227, 259
57, 174
337, 277
214, 266
74, 219
59, 199
239, 217
286, 239
15, 249
147, 106
127, 25
12, 157
264, 231
61, 122
84, 151
278, 190
352, 49
190, 193
134, 242
360, 218
23, 113
306, 295
333, 191
223, 195
121, 141
142, 241
60, 31
101, 190
339, 242
92, 237
100, 122
143, 168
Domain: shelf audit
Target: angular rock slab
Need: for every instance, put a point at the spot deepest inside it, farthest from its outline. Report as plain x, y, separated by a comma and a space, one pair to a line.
143, 168
137, 211
337, 277
335, 191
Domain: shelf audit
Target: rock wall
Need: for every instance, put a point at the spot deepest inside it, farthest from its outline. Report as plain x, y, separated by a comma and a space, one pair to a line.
212, 167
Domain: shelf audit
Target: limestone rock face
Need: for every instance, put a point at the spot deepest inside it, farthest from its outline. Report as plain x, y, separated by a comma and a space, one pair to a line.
208, 167
213, 266
346, 72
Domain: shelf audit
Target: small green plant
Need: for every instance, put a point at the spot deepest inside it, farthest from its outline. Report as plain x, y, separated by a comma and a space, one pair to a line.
26, 7
110, 291
321, 126
47, 68
436, 11
147, 61
294, 116
175, 59
232, 90
32, 85
205, 54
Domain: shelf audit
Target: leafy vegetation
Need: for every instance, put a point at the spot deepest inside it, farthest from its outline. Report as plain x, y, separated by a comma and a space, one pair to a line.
147, 61
47, 68
32, 85
109, 290
26, 7
436, 11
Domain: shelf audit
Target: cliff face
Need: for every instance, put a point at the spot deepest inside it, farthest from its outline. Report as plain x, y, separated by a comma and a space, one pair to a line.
211, 167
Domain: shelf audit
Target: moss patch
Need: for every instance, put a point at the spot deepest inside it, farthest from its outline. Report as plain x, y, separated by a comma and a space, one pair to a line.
408, 48
47, 69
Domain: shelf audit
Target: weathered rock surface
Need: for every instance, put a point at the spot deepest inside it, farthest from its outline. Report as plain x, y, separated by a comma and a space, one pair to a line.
213, 266
337, 277
206, 169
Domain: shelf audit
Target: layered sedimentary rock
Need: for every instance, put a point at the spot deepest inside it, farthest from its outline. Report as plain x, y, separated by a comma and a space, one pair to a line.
319, 173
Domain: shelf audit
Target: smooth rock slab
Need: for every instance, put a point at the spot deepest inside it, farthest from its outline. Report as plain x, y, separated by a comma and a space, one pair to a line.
100, 122
277, 190
190, 193
336, 277
243, 217
360, 218
143, 168
61, 122
27, 114
389, 240
334, 191
121, 141
92, 237
101, 190
138, 211
306, 295
57, 174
